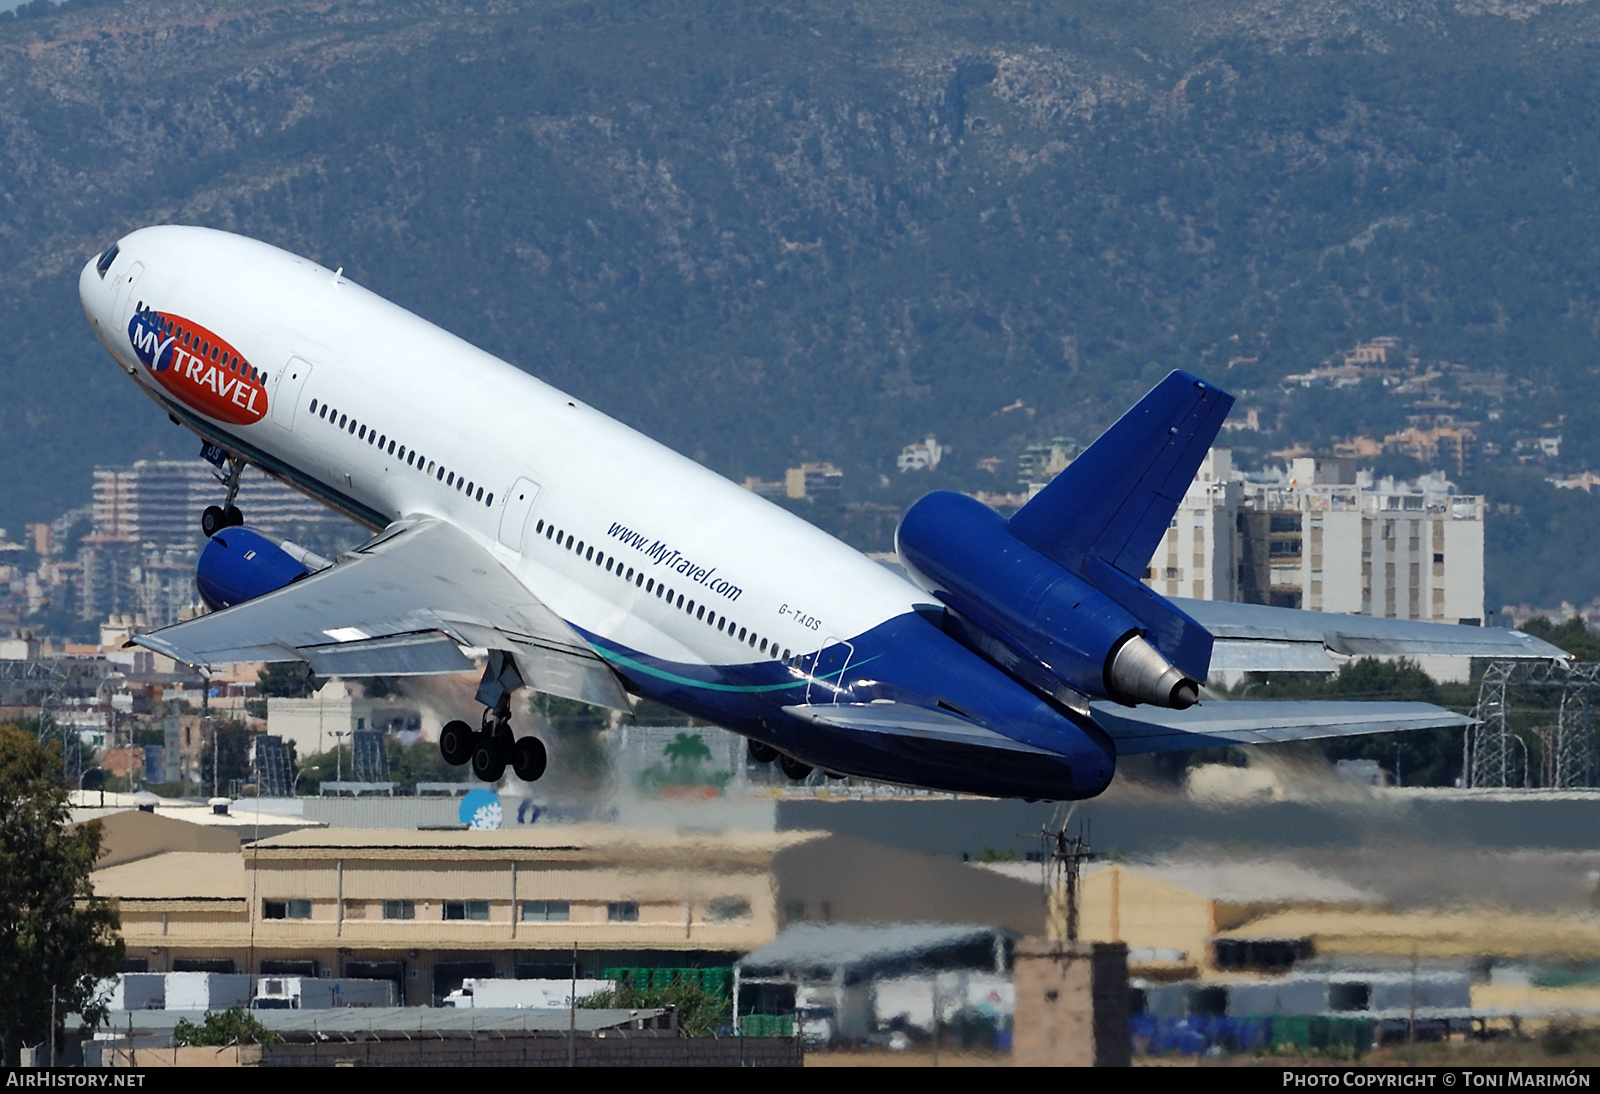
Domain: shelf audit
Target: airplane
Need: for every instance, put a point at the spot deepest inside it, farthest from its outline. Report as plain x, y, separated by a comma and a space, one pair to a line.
517, 527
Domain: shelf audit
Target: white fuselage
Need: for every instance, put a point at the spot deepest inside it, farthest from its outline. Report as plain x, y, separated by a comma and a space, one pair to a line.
466, 417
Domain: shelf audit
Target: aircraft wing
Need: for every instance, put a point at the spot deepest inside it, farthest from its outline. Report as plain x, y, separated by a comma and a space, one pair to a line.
1256, 638
402, 604
1214, 724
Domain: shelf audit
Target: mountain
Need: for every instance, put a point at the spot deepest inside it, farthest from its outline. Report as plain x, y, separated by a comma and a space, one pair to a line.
823, 229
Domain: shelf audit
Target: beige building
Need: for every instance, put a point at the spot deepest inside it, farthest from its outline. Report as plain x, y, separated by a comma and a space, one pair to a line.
1231, 922
427, 908
1321, 537
1172, 916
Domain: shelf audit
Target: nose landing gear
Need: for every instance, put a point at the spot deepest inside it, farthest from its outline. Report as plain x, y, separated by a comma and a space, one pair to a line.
227, 515
493, 746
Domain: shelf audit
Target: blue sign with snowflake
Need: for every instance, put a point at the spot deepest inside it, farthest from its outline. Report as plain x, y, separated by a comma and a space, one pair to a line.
480, 809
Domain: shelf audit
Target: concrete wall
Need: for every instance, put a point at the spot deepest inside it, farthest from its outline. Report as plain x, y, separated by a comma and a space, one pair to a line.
1072, 1005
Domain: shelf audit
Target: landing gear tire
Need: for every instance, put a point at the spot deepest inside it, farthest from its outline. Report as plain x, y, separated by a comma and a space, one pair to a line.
213, 520
761, 752
528, 759
456, 743
232, 518
794, 768
489, 757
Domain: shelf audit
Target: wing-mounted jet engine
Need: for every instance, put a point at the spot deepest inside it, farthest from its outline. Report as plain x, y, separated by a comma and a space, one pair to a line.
239, 564
1054, 594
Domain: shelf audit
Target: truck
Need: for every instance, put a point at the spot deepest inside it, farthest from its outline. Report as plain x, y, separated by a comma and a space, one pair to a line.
523, 994
315, 993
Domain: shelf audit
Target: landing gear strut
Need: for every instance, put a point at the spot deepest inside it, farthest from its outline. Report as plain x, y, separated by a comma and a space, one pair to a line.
494, 747
227, 515
763, 753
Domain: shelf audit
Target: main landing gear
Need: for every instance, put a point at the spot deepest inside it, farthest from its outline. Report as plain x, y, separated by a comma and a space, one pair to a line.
798, 770
226, 515
493, 747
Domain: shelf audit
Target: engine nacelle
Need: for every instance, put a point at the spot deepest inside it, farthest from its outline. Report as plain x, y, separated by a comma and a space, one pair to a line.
961, 551
239, 564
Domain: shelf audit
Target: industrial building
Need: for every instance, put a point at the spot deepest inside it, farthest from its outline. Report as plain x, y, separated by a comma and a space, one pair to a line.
1239, 938
427, 909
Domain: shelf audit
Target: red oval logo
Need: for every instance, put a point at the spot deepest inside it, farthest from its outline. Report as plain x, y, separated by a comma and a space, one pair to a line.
198, 368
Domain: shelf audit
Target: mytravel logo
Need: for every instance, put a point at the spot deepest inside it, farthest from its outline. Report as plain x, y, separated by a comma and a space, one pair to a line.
200, 369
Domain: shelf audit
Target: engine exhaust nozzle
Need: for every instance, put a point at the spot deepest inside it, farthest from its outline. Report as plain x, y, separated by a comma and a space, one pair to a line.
1137, 673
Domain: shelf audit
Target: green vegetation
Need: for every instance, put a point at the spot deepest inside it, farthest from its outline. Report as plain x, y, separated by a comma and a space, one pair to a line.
684, 755
57, 939
283, 680
770, 234
409, 764
233, 1026
700, 1010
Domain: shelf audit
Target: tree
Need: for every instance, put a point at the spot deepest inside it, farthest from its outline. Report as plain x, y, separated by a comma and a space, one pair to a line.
700, 1011
233, 1026
233, 741
686, 750
55, 934
283, 680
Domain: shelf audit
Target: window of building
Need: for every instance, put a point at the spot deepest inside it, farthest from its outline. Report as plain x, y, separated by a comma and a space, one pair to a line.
723, 909
399, 909
1264, 955
473, 910
622, 911
546, 911
286, 909
1349, 996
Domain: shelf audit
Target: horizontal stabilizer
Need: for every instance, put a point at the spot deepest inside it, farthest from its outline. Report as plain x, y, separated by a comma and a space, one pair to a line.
1257, 638
1114, 502
402, 604
1215, 724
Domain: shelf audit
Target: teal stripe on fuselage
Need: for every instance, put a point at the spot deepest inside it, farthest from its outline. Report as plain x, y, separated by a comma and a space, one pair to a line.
625, 661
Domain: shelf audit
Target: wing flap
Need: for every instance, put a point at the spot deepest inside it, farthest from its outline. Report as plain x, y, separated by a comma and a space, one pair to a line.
1215, 724
423, 654
398, 606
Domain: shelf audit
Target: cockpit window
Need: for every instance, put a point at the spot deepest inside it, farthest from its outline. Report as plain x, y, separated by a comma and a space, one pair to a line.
103, 263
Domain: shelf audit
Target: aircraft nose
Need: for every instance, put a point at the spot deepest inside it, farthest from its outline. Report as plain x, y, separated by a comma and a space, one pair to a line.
93, 285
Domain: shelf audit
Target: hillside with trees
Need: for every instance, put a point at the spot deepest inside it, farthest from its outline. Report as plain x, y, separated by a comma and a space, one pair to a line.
823, 229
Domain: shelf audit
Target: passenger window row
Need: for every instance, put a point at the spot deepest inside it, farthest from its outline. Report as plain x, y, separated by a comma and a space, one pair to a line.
672, 597
384, 443
201, 347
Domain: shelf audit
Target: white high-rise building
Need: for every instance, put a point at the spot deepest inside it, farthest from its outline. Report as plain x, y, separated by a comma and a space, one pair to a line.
1318, 535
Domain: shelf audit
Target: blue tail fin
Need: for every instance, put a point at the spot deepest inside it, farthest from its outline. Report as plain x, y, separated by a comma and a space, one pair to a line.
1114, 502
1105, 514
